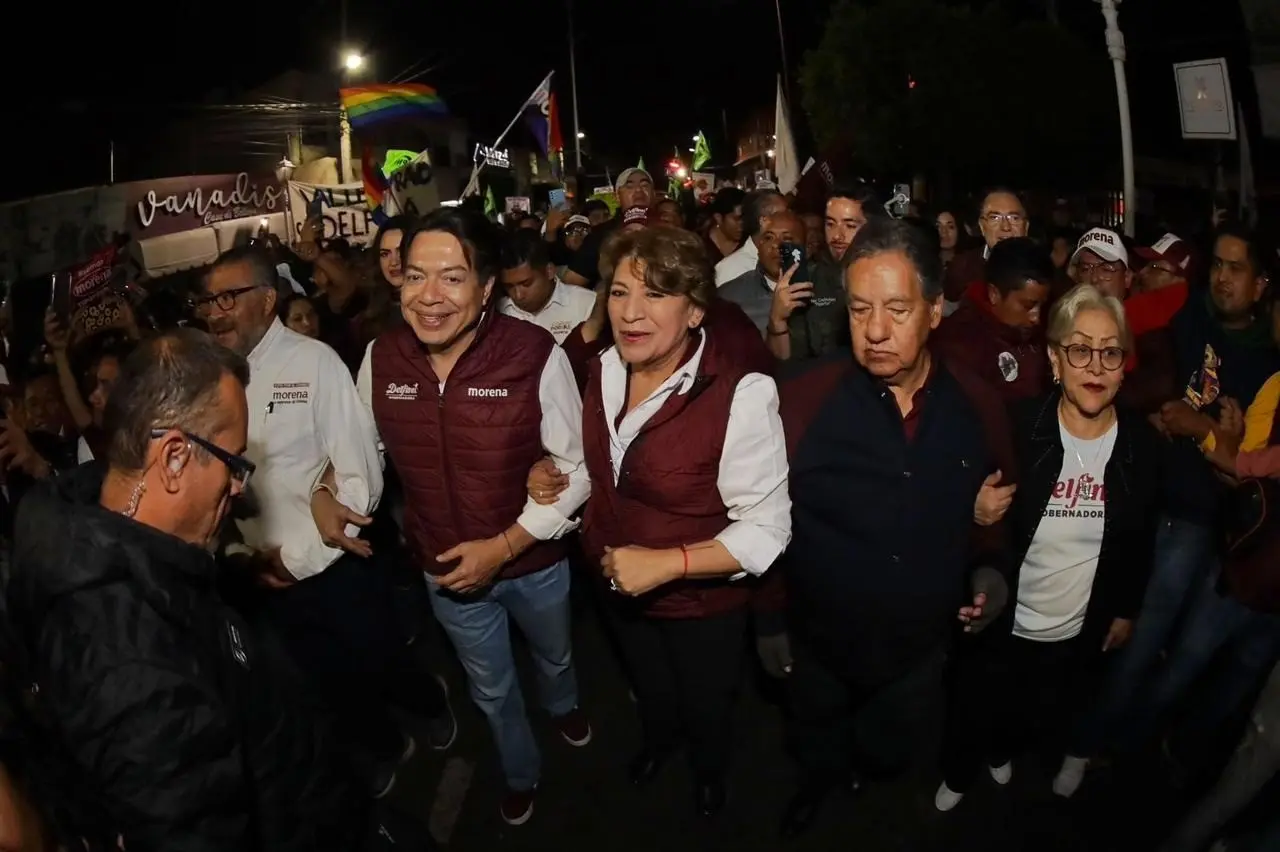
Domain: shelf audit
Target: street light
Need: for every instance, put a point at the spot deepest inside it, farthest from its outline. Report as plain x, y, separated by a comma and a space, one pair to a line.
353, 61
581, 135
1115, 49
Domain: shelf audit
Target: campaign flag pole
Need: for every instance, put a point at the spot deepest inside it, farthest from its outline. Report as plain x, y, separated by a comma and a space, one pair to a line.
473, 185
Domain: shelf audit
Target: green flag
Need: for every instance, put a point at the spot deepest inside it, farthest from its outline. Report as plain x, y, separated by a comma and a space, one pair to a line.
640, 165
490, 206
701, 152
396, 160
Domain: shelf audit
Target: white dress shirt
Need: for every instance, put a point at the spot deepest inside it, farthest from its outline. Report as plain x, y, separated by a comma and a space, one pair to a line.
738, 263
561, 433
568, 307
752, 477
304, 414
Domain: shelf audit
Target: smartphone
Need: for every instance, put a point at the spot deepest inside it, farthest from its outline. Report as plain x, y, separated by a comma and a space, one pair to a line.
792, 254
556, 198
264, 227
901, 200
60, 296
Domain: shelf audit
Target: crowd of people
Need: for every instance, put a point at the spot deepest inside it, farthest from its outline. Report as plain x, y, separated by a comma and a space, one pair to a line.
947, 459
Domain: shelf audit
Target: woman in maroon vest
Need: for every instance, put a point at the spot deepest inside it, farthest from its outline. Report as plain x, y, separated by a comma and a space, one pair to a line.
689, 498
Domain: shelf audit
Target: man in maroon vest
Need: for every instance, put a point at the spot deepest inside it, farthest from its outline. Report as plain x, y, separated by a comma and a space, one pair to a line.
466, 400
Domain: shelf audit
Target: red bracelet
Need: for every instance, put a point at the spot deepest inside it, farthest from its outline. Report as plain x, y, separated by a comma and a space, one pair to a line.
684, 552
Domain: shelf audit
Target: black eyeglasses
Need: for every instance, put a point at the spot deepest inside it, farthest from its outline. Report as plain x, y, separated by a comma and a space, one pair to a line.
226, 300
1081, 356
241, 468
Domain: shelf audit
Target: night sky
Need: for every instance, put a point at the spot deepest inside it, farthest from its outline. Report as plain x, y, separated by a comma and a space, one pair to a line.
649, 73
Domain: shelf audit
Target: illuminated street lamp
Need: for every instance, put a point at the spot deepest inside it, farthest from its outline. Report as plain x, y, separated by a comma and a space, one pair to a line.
581, 135
353, 61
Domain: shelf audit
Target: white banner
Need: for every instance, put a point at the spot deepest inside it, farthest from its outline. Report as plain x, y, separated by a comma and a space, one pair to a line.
343, 208
412, 188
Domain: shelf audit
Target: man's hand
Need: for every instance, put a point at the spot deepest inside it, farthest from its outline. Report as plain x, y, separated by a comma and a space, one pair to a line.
993, 500
969, 614
1118, 634
1181, 419
478, 563
331, 518
786, 298
57, 335
271, 572
556, 217
16, 450
1230, 429
636, 570
545, 482
774, 651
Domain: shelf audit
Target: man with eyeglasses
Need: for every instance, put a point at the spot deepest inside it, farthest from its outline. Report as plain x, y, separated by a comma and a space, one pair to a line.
319, 478
1102, 260
1001, 215
174, 726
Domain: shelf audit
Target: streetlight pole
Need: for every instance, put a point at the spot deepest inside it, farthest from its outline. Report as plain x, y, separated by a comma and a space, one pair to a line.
1115, 49
782, 43
573, 83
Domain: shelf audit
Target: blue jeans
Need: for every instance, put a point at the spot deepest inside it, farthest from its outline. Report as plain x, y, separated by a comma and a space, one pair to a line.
1215, 622
1184, 554
477, 627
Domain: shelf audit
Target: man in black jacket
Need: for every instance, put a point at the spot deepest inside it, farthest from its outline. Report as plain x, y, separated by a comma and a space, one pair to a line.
889, 451
172, 712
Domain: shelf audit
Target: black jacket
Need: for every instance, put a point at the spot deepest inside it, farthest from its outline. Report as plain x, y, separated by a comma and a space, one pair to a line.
883, 540
177, 717
1133, 487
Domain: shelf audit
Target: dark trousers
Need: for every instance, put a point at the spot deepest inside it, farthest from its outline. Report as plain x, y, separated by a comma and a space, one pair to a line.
685, 673
341, 629
838, 725
1008, 693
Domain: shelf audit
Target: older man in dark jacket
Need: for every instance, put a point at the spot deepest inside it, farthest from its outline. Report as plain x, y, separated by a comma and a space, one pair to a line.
889, 452
167, 708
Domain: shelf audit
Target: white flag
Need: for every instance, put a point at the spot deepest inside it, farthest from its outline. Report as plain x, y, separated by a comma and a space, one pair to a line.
785, 164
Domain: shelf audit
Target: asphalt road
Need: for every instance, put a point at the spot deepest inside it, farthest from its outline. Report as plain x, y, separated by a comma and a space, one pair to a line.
585, 801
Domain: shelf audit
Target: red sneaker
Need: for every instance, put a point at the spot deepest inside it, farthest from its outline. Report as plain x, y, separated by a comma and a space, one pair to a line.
574, 727
517, 806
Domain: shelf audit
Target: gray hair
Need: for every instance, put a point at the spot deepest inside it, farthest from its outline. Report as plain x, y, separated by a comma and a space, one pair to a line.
169, 382
1077, 300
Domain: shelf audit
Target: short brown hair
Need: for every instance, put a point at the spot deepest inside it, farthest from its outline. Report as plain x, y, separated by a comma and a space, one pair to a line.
675, 261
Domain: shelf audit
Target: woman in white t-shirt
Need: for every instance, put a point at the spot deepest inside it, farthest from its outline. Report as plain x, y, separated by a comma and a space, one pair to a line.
1081, 531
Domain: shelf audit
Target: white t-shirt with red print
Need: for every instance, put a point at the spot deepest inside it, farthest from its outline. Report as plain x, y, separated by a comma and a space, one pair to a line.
1057, 572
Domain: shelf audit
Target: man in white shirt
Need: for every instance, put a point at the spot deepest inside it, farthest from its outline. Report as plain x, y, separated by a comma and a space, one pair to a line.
755, 208
466, 400
534, 293
315, 449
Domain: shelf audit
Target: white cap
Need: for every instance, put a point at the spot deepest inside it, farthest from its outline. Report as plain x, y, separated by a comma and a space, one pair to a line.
626, 175
1104, 243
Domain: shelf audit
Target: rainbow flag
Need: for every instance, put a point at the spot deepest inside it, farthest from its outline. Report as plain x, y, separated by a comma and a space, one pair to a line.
370, 105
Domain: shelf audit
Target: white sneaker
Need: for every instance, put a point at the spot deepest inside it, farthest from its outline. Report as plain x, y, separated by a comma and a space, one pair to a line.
1001, 774
946, 798
1068, 779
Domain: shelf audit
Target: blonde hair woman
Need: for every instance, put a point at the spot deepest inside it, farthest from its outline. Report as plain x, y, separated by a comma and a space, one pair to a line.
1082, 530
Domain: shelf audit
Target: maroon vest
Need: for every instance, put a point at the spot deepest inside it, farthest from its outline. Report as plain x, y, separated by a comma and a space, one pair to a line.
463, 456
666, 494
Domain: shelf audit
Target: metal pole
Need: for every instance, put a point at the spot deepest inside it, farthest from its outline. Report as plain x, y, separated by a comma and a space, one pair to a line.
573, 84
782, 43
111, 181
1115, 49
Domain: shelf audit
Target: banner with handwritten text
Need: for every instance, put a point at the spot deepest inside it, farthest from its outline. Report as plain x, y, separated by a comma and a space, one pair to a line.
412, 188
343, 209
